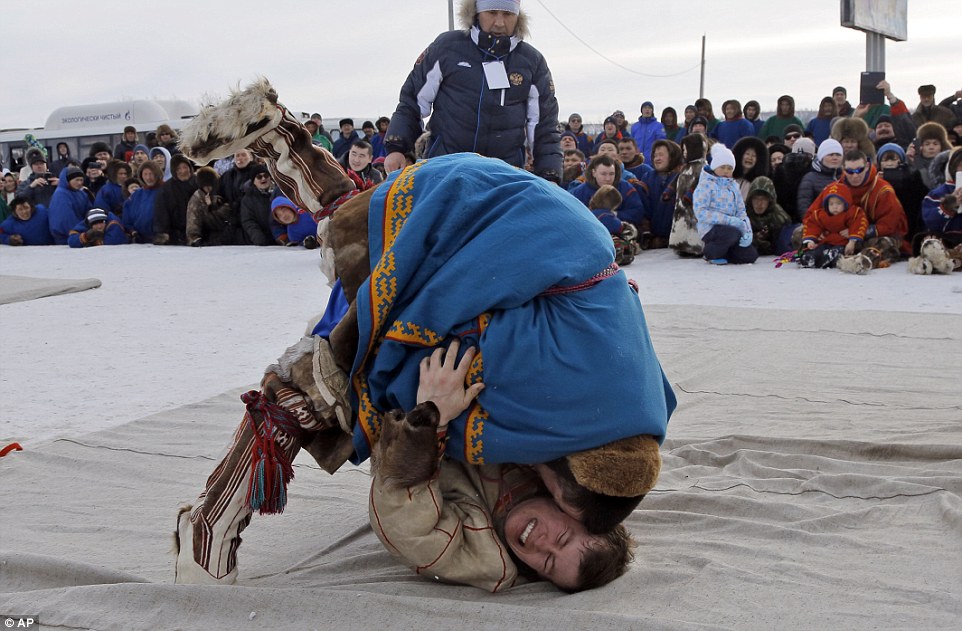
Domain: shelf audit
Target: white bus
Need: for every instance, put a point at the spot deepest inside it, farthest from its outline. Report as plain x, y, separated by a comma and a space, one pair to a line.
80, 126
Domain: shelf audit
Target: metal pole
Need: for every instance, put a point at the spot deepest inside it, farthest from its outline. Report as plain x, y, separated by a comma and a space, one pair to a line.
874, 52
450, 15
701, 86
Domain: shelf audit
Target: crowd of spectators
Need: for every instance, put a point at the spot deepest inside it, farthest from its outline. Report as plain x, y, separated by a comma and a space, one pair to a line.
148, 192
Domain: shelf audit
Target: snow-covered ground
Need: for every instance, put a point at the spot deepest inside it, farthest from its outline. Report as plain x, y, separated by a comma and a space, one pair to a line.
175, 325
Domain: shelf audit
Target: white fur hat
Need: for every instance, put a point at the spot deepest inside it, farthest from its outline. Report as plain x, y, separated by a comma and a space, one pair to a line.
721, 156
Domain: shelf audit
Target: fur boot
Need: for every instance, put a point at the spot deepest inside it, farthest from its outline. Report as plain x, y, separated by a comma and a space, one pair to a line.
933, 259
856, 264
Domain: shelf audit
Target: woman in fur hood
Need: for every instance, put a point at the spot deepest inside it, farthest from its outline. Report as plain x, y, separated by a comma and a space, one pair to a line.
475, 111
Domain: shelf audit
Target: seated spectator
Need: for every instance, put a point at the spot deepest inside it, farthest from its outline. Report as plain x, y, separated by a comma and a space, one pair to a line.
585, 142
752, 111
300, 227
722, 223
853, 134
788, 176
128, 188
141, 155
684, 237
776, 155
940, 208
208, 215
110, 197
793, 133
39, 186
621, 123
606, 170
826, 168
255, 211
161, 157
368, 130
124, 150
907, 182
704, 109
767, 218
784, 116
698, 125
631, 159
94, 178
734, 127
647, 130
820, 127
99, 227
567, 141
751, 161
379, 165
357, 164
574, 167
69, 204
167, 138
887, 224
609, 132
170, 208
624, 235
233, 184
348, 135
931, 140
7, 194
834, 227
138, 215
840, 96
26, 225
666, 162
928, 112
63, 159
669, 120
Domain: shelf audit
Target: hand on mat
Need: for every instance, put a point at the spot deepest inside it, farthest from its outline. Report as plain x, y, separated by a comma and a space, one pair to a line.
442, 382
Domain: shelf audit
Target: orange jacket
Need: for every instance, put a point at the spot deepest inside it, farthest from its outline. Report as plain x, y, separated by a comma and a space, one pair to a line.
824, 228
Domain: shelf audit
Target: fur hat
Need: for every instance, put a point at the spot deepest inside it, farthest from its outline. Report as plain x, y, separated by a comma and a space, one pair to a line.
605, 198
954, 165
178, 159
674, 152
206, 176
933, 131
762, 165
827, 148
625, 468
856, 129
99, 147
130, 129
721, 156
152, 166
695, 146
115, 165
345, 121
94, 215
35, 155
927, 90
166, 129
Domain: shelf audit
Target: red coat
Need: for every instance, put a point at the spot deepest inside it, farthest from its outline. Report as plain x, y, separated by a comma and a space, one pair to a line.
824, 228
877, 199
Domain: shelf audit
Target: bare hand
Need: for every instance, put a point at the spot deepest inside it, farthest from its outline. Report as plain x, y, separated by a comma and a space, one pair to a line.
885, 87
850, 248
442, 382
810, 245
394, 161
861, 110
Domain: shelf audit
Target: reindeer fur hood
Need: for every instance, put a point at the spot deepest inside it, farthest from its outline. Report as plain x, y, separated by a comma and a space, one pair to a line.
469, 10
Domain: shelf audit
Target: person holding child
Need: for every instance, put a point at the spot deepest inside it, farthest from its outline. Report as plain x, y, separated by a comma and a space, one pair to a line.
723, 225
624, 234
835, 227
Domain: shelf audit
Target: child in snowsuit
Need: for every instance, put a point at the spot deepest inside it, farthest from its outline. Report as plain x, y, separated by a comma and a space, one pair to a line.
300, 225
823, 226
722, 223
766, 216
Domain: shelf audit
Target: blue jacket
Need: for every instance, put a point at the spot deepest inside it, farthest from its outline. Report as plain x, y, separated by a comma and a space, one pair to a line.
34, 231
139, 213
377, 144
67, 207
304, 227
660, 207
448, 83
632, 207
645, 132
932, 214
731, 131
111, 198
113, 235
718, 201
820, 129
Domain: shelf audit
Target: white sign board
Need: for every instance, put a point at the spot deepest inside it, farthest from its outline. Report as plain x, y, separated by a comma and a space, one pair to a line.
885, 17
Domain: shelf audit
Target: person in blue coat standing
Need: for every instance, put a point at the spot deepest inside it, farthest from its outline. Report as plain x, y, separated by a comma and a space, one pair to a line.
734, 127
69, 204
99, 227
647, 129
138, 217
26, 225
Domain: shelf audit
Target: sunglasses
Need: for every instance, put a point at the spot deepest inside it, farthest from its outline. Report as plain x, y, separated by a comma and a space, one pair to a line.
856, 171
793, 136
262, 176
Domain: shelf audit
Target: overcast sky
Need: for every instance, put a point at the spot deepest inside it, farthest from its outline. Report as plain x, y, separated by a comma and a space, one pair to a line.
349, 58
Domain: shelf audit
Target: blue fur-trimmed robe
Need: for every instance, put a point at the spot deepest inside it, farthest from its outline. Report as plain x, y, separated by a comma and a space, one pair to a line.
464, 245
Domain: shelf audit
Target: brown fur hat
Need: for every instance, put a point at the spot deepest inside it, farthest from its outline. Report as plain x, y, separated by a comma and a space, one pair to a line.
605, 198
207, 176
933, 131
854, 128
625, 468
113, 166
674, 152
150, 165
